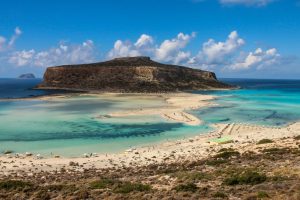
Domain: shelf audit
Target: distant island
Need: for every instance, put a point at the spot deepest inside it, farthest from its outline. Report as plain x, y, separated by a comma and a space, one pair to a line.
129, 74
27, 76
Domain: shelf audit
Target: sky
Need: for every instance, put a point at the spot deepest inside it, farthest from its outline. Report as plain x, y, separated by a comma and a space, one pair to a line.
234, 38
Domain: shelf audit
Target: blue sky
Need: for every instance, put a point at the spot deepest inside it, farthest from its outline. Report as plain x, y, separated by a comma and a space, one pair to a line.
234, 38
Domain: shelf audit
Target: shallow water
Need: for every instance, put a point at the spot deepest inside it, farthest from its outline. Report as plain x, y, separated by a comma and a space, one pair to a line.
264, 102
70, 126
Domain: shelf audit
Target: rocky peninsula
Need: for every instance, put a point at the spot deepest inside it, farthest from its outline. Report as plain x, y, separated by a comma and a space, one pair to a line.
129, 74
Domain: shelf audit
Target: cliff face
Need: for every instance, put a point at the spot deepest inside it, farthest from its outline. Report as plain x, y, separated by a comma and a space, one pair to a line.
130, 74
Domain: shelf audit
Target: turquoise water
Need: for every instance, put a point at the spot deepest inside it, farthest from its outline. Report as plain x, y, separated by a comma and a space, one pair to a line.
70, 126
264, 102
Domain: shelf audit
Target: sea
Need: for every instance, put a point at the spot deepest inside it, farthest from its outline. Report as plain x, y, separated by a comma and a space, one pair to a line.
71, 126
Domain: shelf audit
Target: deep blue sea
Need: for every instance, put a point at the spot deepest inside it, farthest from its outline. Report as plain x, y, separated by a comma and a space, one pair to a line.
18, 88
69, 126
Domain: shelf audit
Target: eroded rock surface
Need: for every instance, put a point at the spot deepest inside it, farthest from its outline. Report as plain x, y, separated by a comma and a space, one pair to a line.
129, 74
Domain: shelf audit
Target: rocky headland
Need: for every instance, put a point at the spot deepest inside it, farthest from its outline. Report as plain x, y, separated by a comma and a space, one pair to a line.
129, 74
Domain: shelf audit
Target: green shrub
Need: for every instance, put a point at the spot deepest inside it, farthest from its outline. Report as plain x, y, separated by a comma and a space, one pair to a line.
220, 195
227, 154
277, 151
127, 187
225, 149
102, 183
265, 141
247, 177
57, 187
42, 194
262, 195
189, 187
278, 178
14, 184
215, 162
60, 187
119, 186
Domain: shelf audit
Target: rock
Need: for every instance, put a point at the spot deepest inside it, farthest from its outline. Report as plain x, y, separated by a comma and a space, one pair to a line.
95, 154
39, 156
30, 174
7, 152
129, 74
28, 154
25, 76
85, 155
71, 163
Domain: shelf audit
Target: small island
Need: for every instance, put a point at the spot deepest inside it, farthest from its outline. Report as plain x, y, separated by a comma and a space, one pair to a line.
129, 74
27, 76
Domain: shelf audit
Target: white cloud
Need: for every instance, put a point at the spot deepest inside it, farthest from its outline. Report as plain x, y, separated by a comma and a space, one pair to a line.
227, 55
123, 49
182, 57
170, 50
21, 58
218, 53
258, 59
143, 46
6, 45
145, 41
213, 54
63, 54
246, 2
13, 39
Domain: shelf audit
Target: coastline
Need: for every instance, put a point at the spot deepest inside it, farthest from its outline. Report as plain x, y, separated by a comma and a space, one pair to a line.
237, 136
240, 136
197, 167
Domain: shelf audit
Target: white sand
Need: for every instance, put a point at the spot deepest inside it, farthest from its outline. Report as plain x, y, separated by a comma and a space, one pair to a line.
178, 104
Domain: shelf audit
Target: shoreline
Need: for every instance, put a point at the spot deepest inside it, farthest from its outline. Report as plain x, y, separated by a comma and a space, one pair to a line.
239, 136
236, 136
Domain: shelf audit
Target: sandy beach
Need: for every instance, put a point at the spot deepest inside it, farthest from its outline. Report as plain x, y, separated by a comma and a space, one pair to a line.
176, 109
238, 136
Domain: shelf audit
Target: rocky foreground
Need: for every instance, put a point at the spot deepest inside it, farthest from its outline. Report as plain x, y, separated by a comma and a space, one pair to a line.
272, 173
129, 74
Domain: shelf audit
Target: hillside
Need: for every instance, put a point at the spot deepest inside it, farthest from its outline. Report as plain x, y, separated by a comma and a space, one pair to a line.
129, 74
